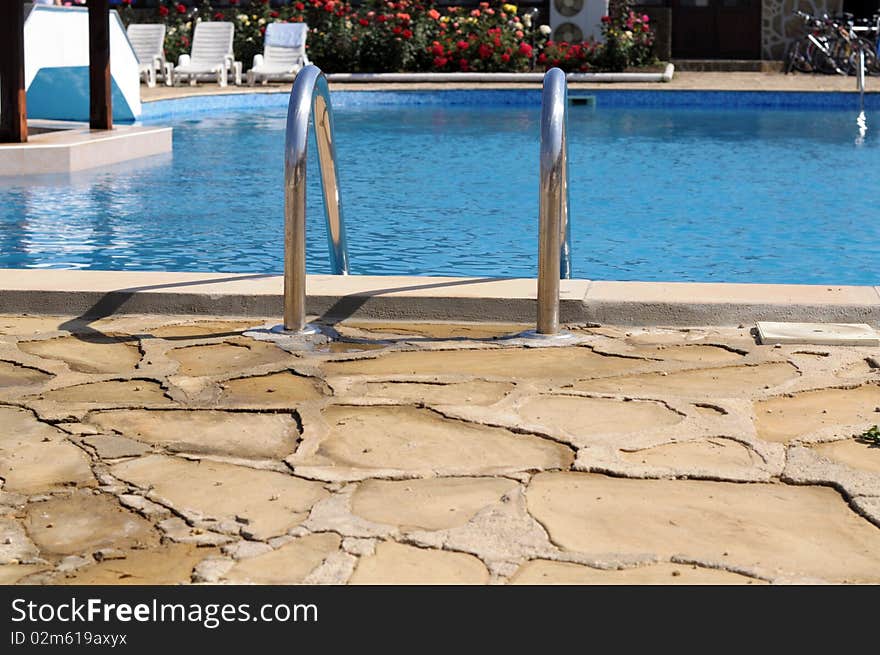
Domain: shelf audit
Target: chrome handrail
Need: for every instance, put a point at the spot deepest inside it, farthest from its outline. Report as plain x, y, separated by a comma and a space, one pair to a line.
310, 96
554, 238
860, 78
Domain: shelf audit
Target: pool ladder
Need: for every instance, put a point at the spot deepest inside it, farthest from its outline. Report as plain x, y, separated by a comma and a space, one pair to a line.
311, 96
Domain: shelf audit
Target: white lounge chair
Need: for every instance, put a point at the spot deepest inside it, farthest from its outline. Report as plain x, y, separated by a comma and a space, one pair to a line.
211, 55
284, 52
148, 41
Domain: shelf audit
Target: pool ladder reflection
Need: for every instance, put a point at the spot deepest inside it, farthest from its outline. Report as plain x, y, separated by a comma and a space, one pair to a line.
310, 96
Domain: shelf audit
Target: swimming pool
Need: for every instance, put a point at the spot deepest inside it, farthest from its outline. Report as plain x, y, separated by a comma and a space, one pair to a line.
721, 188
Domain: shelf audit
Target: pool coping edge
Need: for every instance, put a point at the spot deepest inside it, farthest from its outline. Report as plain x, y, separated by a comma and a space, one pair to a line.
411, 298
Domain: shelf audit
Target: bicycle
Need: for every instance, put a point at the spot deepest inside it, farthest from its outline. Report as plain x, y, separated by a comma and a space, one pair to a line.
813, 52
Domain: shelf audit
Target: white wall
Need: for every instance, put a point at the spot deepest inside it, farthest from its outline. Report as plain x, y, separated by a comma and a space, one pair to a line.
56, 37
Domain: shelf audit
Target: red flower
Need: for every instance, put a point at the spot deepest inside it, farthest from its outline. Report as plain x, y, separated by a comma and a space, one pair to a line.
437, 49
434, 14
181, 9
407, 34
606, 19
184, 40
363, 21
542, 58
381, 18
330, 6
525, 49
505, 57
440, 62
462, 45
218, 15
463, 65
163, 10
299, 6
485, 51
396, 29
274, 14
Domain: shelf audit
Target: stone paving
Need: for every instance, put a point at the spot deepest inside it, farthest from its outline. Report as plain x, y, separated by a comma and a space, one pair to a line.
139, 449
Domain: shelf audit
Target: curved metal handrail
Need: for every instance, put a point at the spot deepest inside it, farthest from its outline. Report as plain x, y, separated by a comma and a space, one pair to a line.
554, 238
310, 96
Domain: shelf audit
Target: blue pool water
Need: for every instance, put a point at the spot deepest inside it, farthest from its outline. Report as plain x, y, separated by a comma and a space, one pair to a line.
657, 193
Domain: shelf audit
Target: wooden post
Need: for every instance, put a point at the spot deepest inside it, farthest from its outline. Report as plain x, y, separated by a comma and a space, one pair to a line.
13, 104
100, 103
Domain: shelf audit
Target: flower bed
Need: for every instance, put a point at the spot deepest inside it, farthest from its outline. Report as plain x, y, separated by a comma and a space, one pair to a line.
416, 36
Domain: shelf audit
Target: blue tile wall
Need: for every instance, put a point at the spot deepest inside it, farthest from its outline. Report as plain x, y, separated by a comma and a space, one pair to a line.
174, 108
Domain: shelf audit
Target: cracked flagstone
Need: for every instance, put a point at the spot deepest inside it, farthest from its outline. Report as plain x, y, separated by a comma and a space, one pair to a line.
140, 392
260, 503
83, 523
549, 572
289, 564
87, 353
219, 358
13, 374
420, 441
182, 449
211, 432
274, 390
395, 563
772, 529
36, 457
430, 504
835, 411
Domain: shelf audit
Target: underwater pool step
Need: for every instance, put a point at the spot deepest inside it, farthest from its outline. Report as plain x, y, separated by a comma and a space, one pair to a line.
101, 293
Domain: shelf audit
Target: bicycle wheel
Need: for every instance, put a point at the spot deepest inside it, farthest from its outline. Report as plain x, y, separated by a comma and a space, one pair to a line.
852, 60
871, 66
822, 62
797, 59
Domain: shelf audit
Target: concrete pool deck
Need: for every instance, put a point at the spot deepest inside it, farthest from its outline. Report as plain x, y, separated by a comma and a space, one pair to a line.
690, 81
162, 449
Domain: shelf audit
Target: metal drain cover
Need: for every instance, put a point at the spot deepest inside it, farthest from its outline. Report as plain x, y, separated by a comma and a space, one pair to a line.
818, 334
